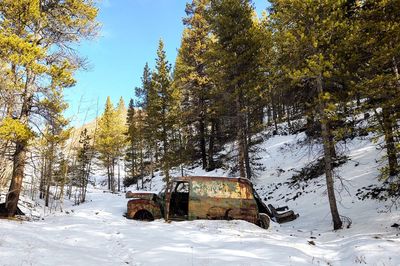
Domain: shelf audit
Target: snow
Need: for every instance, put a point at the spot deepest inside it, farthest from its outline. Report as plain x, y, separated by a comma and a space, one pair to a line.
96, 233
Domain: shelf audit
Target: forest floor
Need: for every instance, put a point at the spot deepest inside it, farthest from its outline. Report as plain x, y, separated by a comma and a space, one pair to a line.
96, 233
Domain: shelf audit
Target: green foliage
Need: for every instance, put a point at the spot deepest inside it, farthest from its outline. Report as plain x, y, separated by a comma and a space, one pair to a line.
31, 31
238, 72
162, 106
110, 139
194, 85
375, 48
84, 157
14, 130
142, 93
37, 63
134, 154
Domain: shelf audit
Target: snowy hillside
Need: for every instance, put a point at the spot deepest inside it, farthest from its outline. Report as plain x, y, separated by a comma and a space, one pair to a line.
96, 233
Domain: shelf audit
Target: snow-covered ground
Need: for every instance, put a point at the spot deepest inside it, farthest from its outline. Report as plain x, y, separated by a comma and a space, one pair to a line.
96, 233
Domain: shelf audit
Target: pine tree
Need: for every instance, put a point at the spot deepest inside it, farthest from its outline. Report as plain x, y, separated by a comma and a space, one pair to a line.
191, 79
142, 93
135, 153
147, 99
141, 143
84, 157
33, 35
237, 70
376, 41
310, 35
54, 137
110, 140
131, 151
121, 122
161, 106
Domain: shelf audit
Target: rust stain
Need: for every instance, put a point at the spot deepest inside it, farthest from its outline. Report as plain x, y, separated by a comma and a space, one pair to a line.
136, 205
139, 195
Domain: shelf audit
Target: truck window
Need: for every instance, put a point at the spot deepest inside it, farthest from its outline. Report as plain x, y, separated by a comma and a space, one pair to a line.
182, 187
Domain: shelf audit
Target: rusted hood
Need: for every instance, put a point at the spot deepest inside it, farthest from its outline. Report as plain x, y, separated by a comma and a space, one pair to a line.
140, 195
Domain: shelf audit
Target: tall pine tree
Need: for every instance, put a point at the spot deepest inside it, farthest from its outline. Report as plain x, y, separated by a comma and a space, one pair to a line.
161, 106
237, 70
33, 40
376, 40
110, 140
310, 36
191, 79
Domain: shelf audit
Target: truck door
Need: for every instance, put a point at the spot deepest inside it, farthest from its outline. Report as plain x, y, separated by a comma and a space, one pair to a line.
179, 202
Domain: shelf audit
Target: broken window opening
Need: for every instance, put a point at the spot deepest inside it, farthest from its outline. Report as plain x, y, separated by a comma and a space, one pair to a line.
179, 203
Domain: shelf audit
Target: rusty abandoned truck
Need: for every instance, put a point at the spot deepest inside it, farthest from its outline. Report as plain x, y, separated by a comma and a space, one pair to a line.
204, 197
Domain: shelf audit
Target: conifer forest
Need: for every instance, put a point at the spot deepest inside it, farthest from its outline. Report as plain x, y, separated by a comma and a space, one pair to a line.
301, 100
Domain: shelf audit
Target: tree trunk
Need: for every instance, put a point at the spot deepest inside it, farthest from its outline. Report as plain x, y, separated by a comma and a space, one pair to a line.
141, 167
211, 164
119, 178
240, 133
181, 147
64, 178
218, 132
42, 178
49, 174
247, 156
156, 151
86, 176
275, 117
113, 175
390, 142
325, 132
288, 119
19, 159
247, 141
134, 163
269, 115
151, 168
332, 143
242, 172
109, 174
202, 141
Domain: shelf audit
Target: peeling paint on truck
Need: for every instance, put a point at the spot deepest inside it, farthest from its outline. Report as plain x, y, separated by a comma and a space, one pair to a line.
222, 198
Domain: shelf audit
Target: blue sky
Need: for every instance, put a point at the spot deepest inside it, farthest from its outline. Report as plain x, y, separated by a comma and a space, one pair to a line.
128, 39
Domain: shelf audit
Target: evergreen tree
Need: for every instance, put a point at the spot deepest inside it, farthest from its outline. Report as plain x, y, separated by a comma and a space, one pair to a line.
84, 157
135, 153
162, 106
131, 151
147, 100
33, 37
141, 143
121, 122
53, 139
110, 140
191, 79
237, 70
142, 93
310, 35
121, 108
376, 44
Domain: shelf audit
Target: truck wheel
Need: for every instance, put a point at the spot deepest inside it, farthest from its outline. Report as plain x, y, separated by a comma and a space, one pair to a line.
264, 220
143, 215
